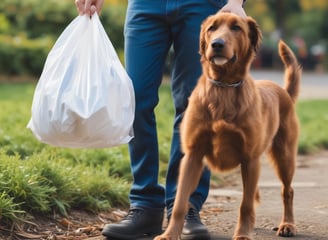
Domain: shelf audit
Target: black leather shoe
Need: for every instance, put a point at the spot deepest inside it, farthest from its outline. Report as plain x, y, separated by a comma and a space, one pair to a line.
193, 228
138, 223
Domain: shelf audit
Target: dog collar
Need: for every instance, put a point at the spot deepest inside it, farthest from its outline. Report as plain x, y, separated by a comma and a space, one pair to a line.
222, 84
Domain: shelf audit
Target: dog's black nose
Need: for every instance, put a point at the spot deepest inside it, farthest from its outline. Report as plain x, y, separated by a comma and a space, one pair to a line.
218, 44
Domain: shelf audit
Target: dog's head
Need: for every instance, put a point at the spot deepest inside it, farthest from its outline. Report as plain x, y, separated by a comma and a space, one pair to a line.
227, 40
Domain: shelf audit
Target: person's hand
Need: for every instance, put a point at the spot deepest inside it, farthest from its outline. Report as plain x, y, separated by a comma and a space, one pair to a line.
234, 6
89, 7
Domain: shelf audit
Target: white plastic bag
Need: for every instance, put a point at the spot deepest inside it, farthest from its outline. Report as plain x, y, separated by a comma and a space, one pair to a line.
84, 97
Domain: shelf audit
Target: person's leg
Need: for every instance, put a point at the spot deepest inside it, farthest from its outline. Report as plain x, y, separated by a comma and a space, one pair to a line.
146, 45
147, 41
186, 71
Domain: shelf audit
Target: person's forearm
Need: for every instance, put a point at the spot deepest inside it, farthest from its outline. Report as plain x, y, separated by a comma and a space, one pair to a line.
241, 2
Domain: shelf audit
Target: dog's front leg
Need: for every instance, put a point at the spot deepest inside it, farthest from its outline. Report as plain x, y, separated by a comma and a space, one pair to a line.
250, 174
191, 168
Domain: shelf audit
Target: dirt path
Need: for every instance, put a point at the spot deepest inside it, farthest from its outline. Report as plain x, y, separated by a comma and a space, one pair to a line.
310, 203
310, 184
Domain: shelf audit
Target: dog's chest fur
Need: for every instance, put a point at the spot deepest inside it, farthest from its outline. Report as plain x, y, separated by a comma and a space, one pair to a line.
221, 118
228, 103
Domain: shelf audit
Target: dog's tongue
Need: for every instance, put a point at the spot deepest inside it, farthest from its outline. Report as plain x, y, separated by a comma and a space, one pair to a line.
219, 60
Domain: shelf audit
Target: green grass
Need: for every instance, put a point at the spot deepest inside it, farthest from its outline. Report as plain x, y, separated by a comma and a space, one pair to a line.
313, 116
38, 178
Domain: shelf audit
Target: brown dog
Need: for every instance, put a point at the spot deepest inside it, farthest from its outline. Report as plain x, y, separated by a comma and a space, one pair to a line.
232, 120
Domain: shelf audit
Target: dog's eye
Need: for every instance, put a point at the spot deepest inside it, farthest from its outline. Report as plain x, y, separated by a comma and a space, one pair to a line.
211, 28
235, 28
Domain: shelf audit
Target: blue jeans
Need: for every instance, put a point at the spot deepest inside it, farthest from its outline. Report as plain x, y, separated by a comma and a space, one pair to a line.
151, 28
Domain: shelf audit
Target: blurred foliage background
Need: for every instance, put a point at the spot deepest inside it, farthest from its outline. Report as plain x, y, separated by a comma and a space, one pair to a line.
29, 28
301, 23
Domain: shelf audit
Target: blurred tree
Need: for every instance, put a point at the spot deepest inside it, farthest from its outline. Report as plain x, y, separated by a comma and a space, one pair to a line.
37, 18
29, 28
4, 23
290, 17
113, 17
282, 10
302, 24
307, 5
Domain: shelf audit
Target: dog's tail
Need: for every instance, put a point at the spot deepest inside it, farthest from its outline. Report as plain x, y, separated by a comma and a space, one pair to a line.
293, 70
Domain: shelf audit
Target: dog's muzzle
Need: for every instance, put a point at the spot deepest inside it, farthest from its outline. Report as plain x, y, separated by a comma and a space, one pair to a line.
218, 44
218, 58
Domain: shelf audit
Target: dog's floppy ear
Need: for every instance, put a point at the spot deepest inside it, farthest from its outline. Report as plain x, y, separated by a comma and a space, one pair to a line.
255, 34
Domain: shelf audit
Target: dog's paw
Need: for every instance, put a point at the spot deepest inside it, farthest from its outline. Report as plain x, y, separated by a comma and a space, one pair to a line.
241, 237
286, 230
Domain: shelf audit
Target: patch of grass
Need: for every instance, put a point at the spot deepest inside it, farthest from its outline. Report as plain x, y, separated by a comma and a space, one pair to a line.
9, 210
313, 116
37, 178
43, 182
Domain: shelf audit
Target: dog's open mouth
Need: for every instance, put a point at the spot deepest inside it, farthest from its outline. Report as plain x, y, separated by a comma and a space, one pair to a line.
219, 60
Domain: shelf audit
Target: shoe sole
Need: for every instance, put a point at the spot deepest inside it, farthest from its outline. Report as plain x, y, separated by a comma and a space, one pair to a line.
196, 237
119, 236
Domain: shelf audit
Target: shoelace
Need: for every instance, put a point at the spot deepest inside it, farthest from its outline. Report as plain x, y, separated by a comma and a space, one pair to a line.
193, 215
133, 213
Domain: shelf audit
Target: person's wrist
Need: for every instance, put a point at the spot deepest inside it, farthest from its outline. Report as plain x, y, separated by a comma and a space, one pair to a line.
242, 2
